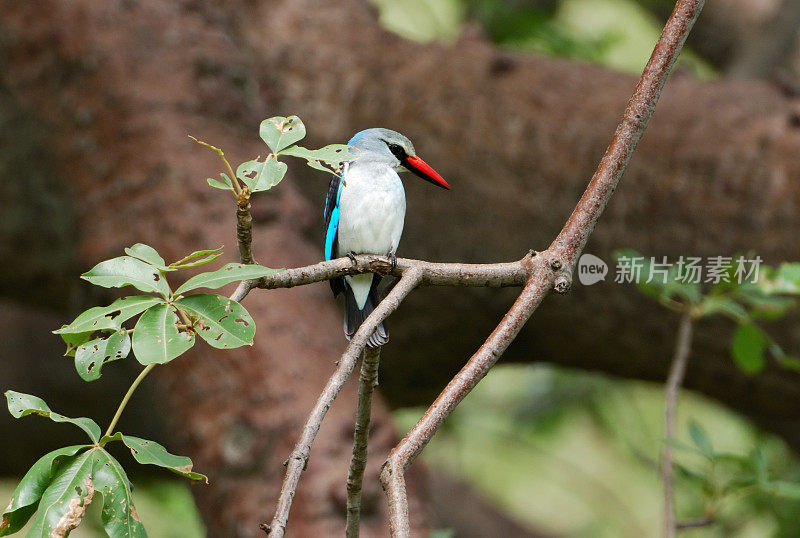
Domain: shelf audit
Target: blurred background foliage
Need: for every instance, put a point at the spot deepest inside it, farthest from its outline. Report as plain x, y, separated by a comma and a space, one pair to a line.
565, 452
613, 33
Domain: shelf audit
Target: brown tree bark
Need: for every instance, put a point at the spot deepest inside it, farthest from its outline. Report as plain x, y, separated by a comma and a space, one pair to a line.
111, 89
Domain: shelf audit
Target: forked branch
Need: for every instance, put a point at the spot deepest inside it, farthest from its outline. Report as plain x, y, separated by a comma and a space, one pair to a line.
561, 257
538, 273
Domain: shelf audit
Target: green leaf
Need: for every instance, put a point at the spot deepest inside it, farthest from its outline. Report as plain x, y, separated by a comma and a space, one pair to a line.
220, 321
21, 405
727, 307
690, 474
280, 132
261, 176
333, 154
782, 488
226, 184
319, 166
788, 277
65, 500
790, 363
108, 317
759, 465
151, 453
25, 498
119, 515
74, 341
700, 439
204, 255
125, 271
90, 357
747, 347
231, 272
146, 253
156, 339
690, 291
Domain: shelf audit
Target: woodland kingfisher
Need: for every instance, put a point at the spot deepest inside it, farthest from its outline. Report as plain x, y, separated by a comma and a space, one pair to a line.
364, 214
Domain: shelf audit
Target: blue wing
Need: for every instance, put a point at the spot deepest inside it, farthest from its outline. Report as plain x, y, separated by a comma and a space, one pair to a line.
331, 215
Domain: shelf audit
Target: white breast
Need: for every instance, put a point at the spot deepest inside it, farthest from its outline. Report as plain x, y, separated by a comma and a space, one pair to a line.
372, 210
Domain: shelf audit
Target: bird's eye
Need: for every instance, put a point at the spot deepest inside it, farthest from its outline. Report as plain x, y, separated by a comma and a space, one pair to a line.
397, 151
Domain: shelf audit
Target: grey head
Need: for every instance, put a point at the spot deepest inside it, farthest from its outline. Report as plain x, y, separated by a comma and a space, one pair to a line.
384, 146
390, 148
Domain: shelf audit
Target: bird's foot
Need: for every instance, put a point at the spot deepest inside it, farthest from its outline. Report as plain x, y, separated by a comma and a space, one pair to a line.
352, 256
392, 260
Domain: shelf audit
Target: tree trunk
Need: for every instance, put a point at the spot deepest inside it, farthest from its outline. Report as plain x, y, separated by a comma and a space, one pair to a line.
111, 89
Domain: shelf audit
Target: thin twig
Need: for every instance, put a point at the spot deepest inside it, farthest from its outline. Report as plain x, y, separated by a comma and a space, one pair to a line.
674, 381
561, 257
355, 477
299, 458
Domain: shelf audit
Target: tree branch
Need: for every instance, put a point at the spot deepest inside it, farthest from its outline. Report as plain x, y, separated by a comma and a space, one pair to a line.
244, 226
493, 275
299, 458
674, 381
367, 383
561, 258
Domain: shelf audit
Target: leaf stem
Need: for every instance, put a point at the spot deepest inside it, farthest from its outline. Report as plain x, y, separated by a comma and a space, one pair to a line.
127, 397
237, 191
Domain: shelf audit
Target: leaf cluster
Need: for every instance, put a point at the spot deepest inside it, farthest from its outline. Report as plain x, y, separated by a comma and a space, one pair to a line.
169, 319
281, 135
748, 304
720, 475
61, 484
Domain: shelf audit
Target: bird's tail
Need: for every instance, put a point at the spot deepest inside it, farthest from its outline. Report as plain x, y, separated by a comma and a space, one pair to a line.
354, 317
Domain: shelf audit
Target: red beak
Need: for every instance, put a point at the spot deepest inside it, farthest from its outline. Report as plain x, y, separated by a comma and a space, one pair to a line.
420, 168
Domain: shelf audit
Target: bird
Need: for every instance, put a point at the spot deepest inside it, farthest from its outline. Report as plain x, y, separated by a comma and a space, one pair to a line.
365, 210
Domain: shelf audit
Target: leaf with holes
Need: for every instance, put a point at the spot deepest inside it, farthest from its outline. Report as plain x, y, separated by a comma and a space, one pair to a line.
156, 337
108, 317
280, 132
747, 347
220, 321
119, 515
21, 405
127, 271
192, 260
333, 154
151, 453
261, 176
232, 272
90, 357
66, 498
75, 340
25, 498
148, 254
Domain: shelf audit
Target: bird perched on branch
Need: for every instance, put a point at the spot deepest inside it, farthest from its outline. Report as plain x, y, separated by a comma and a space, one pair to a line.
364, 214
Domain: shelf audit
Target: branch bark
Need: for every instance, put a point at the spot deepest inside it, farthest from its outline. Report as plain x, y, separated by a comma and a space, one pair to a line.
355, 477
